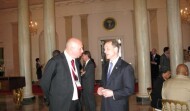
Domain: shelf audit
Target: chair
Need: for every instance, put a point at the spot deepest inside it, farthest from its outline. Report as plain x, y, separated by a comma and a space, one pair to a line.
174, 105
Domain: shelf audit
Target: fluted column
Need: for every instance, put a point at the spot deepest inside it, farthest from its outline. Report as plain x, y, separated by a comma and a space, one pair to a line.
175, 34
141, 22
153, 28
84, 30
49, 28
68, 27
24, 46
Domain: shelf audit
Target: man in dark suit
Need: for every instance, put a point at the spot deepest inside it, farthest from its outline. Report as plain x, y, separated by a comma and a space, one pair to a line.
165, 58
156, 94
61, 78
38, 69
117, 80
155, 62
88, 79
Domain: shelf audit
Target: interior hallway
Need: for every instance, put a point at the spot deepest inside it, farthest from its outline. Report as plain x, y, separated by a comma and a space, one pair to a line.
7, 104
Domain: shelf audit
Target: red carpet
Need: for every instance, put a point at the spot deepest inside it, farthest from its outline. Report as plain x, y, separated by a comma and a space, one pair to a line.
136, 87
96, 86
6, 93
37, 90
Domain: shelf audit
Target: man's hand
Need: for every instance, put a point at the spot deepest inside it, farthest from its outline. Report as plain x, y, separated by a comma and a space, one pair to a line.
152, 62
107, 93
100, 91
82, 72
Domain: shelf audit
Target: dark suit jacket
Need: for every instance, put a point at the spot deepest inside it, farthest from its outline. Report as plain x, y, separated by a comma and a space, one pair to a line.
155, 67
121, 82
88, 80
156, 94
57, 84
164, 62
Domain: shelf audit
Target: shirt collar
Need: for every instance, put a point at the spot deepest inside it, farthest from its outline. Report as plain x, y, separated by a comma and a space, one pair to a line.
115, 60
69, 58
87, 61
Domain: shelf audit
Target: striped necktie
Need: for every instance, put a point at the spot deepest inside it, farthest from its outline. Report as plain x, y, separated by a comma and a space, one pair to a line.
73, 70
109, 70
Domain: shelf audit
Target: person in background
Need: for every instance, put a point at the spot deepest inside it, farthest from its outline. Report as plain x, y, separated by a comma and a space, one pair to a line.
155, 62
186, 58
38, 69
178, 87
156, 94
2, 70
61, 81
165, 58
117, 80
79, 62
88, 80
55, 53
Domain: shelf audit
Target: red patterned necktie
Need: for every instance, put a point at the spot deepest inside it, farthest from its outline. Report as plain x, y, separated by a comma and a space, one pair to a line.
79, 88
73, 70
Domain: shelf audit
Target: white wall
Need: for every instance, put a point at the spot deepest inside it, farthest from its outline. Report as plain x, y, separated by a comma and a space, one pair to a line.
120, 10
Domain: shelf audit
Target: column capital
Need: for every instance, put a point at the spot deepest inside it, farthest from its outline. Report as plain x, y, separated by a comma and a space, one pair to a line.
84, 16
68, 17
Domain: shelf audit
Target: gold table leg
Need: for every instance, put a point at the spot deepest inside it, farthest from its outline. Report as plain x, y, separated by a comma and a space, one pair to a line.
18, 96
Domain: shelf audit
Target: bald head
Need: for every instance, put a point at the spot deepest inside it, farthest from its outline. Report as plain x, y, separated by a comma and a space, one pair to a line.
182, 69
153, 51
74, 47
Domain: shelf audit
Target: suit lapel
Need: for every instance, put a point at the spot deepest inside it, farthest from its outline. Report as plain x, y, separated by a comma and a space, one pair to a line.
89, 62
65, 63
86, 65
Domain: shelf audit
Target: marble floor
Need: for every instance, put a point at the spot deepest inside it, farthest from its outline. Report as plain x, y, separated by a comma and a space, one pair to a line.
7, 104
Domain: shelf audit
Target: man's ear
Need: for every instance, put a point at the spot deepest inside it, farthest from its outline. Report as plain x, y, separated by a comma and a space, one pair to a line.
116, 49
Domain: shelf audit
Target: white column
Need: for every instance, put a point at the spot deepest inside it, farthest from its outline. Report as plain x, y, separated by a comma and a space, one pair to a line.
49, 28
68, 27
84, 30
143, 52
24, 46
175, 34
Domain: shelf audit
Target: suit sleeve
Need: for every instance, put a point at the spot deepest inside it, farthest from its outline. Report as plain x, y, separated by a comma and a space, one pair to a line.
128, 81
49, 73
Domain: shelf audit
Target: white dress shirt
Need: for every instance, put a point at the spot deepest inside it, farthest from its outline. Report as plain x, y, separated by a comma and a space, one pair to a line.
75, 92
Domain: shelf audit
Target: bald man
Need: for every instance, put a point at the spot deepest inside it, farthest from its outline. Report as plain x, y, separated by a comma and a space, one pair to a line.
178, 88
155, 62
61, 82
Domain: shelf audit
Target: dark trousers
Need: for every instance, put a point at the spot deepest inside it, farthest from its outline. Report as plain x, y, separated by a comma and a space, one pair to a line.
75, 106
